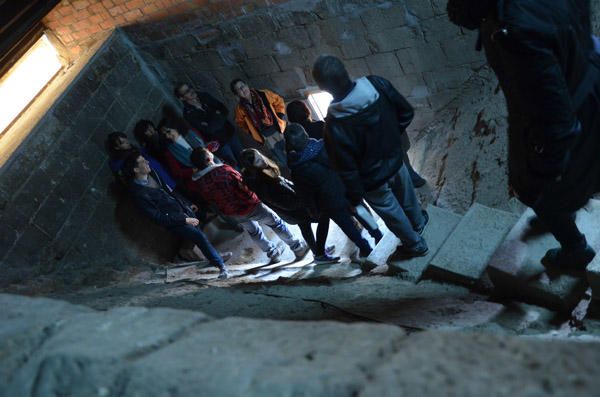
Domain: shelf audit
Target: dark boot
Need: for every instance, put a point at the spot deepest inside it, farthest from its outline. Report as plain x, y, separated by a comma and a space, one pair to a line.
565, 258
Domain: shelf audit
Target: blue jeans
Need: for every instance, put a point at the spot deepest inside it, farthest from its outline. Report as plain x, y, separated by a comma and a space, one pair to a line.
265, 215
397, 204
197, 236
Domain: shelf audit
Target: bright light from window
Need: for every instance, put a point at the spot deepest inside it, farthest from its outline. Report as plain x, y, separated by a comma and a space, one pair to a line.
319, 102
21, 84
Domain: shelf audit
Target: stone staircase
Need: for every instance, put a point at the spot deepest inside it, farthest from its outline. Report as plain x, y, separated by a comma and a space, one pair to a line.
489, 247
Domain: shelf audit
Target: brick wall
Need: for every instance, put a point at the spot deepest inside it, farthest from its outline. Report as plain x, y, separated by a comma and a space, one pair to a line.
78, 22
58, 208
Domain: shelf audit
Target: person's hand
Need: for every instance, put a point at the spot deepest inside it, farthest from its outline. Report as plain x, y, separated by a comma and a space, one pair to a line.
352, 209
194, 207
192, 221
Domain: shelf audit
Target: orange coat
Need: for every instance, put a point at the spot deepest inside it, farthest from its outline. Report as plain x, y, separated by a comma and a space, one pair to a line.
243, 120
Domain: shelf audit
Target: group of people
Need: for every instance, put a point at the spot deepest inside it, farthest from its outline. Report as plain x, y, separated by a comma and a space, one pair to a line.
303, 172
194, 164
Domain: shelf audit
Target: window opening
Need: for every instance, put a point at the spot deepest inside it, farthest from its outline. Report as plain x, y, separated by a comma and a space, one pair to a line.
23, 82
319, 102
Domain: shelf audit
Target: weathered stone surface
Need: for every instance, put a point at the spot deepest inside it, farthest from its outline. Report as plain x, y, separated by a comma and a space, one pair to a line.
516, 269
260, 66
385, 65
441, 224
466, 253
52, 347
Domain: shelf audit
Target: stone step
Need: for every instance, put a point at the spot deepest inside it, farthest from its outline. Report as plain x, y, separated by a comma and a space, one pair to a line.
516, 270
441, 224
464, 256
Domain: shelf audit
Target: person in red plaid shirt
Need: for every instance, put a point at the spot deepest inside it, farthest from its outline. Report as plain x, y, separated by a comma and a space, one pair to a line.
223, 187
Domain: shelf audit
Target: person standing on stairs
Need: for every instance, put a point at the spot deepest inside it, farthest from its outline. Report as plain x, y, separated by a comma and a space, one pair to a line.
547, 63
261, 114
363, 137
320, 186
222, 186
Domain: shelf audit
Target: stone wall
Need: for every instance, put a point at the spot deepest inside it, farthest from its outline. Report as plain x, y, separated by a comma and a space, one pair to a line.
78, 23
410, 42
58, 206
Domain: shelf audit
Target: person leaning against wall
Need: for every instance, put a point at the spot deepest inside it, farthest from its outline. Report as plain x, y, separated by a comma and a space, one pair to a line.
261, 114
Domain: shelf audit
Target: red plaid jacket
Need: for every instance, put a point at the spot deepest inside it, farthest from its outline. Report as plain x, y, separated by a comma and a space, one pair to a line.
223, 187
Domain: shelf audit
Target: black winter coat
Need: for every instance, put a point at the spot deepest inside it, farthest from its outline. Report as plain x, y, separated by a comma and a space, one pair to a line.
213, 125
366, 148
319, 186
164, 208
279, 194
540, 51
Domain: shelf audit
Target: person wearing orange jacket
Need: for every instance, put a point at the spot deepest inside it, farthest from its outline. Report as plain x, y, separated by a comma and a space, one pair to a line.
261, 114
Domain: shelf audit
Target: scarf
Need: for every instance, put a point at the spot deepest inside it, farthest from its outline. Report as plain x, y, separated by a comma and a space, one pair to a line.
257, 110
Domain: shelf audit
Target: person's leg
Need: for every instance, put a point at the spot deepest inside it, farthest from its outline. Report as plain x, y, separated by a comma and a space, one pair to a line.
404, 191
266, 216
309, 237
416, 179
257, 235
236, 146
198, 237
366, 219
226, 154
386, 205
574, 251
322, 232
344, 220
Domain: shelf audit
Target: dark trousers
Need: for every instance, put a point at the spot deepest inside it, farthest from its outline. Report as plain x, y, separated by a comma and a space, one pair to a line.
563, 227
316, 246
198, 237
344, 220
229, 152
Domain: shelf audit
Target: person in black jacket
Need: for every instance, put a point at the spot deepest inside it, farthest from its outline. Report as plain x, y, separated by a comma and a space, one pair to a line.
162, 205
363, 136
208, 115
319, 185
263, 177
298, 112
547, 62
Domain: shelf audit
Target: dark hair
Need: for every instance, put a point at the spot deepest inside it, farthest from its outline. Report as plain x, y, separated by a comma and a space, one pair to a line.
468, 13
296, 137
297, 112
233, 83
174, 123
199, 157
130, 164
330, 73
111, 141
139, 131
247, 160
176, 89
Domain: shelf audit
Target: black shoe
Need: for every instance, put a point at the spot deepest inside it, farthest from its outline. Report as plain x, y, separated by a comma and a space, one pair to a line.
403, 252
422, 228
569, 259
